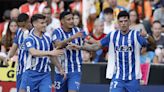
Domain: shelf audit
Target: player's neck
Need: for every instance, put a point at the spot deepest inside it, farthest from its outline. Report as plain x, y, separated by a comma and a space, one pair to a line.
38, 33
125, 31
66, 29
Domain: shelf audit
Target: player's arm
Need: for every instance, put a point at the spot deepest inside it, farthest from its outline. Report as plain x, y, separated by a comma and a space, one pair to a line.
11, 53
145, 38
29, 44
151, 41
12, 50
62, 44
55, 61
95, 46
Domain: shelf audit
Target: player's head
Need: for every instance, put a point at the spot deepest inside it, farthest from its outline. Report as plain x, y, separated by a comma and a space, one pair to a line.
23, 21
66, 18
123, 21
38, 21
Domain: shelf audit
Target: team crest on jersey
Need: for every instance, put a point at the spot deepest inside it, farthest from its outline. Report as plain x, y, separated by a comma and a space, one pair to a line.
124, 48
28, 44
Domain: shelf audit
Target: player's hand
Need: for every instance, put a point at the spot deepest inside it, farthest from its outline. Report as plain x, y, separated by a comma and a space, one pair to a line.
57, 52
73, 46
78, 34
62, 72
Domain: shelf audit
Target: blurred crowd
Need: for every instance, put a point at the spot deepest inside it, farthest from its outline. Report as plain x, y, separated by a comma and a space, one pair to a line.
97, 18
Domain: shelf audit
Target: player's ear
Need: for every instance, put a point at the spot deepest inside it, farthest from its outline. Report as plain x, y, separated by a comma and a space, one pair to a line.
62, 21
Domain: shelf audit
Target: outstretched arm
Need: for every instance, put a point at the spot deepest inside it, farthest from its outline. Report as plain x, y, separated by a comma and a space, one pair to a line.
64, 43
35, 52
92, 47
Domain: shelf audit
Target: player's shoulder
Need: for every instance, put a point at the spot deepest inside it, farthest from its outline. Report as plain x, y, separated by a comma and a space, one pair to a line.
77, 29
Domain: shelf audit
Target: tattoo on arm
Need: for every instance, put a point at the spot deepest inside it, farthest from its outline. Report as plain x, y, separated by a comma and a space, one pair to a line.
93, 47
63, 44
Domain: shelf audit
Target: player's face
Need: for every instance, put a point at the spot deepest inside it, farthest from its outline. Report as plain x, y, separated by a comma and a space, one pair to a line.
41, 25
68, 21
123, 23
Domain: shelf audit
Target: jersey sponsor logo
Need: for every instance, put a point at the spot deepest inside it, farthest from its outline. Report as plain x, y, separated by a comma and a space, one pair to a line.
124, 48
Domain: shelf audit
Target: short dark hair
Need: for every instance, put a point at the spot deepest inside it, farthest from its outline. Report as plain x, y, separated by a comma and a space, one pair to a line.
22, 17
63, 14
123, 14
36, 17
108, 10
156, 21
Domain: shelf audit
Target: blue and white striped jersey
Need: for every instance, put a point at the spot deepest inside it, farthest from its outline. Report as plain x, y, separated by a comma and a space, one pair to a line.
126, 53
38, 63
19, 39
73, 58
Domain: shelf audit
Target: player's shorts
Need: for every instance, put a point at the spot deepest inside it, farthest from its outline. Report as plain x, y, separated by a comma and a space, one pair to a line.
33, 81
118, 85
72, 82
18, 81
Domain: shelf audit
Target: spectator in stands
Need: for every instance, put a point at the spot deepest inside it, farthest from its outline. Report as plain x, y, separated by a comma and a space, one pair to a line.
52, 22
159, 39
30, 8
76, 6
4, 25
14, 13
90, 15
143, 8
109, 25
57, 6
134, 20
116, 8
144, 11
146, 59
98, 34
7, 40
155, 4
159, 13
77, 19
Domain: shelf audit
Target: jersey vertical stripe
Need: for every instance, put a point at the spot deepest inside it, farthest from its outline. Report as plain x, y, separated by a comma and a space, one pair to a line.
137, 58
37, 63
19, 40
117, 55
73, 58
123, 59
130, 56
